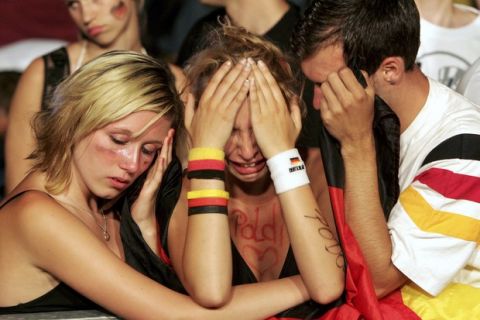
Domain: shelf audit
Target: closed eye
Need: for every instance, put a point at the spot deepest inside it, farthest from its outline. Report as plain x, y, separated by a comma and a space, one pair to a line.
150, 150
118, 141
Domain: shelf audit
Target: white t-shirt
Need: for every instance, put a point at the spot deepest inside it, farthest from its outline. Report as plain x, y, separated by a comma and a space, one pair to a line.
469, 86
435, 225
446, 53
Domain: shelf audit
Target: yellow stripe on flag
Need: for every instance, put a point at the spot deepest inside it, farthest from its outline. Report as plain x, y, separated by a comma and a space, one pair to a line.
430, 220
455, 302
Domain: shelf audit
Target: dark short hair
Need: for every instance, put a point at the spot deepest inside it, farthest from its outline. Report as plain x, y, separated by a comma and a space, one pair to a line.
368, 30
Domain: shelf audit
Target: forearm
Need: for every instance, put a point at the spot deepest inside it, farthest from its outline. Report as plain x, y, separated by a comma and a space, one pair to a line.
317, 252
364, 212
260, 300
149, 230
207, 257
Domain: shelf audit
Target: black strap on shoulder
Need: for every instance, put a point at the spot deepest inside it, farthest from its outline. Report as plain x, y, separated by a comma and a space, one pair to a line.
463, 146
57, 68
19, 194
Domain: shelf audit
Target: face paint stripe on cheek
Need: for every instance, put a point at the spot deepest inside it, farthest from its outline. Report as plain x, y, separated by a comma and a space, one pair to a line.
119, 10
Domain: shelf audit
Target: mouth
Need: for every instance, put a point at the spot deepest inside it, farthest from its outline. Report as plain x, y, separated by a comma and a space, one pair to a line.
94, 31
119, 183
246, 168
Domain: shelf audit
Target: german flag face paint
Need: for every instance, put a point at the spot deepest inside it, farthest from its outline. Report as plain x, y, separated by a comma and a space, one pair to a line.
119, 10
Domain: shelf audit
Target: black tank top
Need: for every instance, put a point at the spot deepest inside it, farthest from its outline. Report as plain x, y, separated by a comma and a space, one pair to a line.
57, 68
137, 252
307, 310
60, 298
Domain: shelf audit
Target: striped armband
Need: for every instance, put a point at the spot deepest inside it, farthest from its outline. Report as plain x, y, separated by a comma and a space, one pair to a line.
207, 201
206, 163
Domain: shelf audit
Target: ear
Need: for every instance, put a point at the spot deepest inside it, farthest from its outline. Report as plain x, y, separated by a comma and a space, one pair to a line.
391, 70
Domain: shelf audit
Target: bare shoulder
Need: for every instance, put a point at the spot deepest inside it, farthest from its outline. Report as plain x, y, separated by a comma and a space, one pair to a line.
28, 94
35, 208
34, 72
37, 218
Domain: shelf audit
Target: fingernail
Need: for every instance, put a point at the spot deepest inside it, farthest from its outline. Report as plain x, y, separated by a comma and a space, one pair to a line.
228, 63
250, 60
243, 61
261, 64
248, 66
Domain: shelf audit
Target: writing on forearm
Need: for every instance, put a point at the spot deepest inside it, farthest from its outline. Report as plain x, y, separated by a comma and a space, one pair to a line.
332, 246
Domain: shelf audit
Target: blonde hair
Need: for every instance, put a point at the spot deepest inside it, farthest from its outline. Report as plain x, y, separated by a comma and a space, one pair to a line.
107, 89
234, 43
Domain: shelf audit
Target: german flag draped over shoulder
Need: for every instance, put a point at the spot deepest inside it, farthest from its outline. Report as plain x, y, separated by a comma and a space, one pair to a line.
360, 299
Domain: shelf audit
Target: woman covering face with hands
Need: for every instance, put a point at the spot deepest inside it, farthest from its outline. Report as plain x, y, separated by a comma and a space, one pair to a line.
246, 184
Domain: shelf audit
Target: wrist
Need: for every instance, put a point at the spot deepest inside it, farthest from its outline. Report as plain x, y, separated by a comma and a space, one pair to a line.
278, 149
358, 148
207, 144
287, 171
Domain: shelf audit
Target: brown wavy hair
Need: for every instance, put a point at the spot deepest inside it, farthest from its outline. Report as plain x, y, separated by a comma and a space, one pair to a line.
234, 43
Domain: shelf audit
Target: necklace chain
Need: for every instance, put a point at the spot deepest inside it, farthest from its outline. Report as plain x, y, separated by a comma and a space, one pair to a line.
104, 228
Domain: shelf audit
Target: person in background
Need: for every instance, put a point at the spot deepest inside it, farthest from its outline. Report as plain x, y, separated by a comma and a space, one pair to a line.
436, 218
449, 39
103, 26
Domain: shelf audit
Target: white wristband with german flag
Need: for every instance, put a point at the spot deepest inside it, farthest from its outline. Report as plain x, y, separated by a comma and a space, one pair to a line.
287, 171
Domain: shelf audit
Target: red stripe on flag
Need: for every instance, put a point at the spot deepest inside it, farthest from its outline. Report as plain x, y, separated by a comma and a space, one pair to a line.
451, 185
361, 300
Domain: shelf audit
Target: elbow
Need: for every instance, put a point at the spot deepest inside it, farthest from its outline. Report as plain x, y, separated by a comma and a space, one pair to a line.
211, 297
384, 286
327, 293
383, 289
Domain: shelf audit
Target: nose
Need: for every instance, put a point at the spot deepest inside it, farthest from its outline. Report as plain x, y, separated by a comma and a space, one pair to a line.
130, 159
317, 96
248, 146
89, 11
